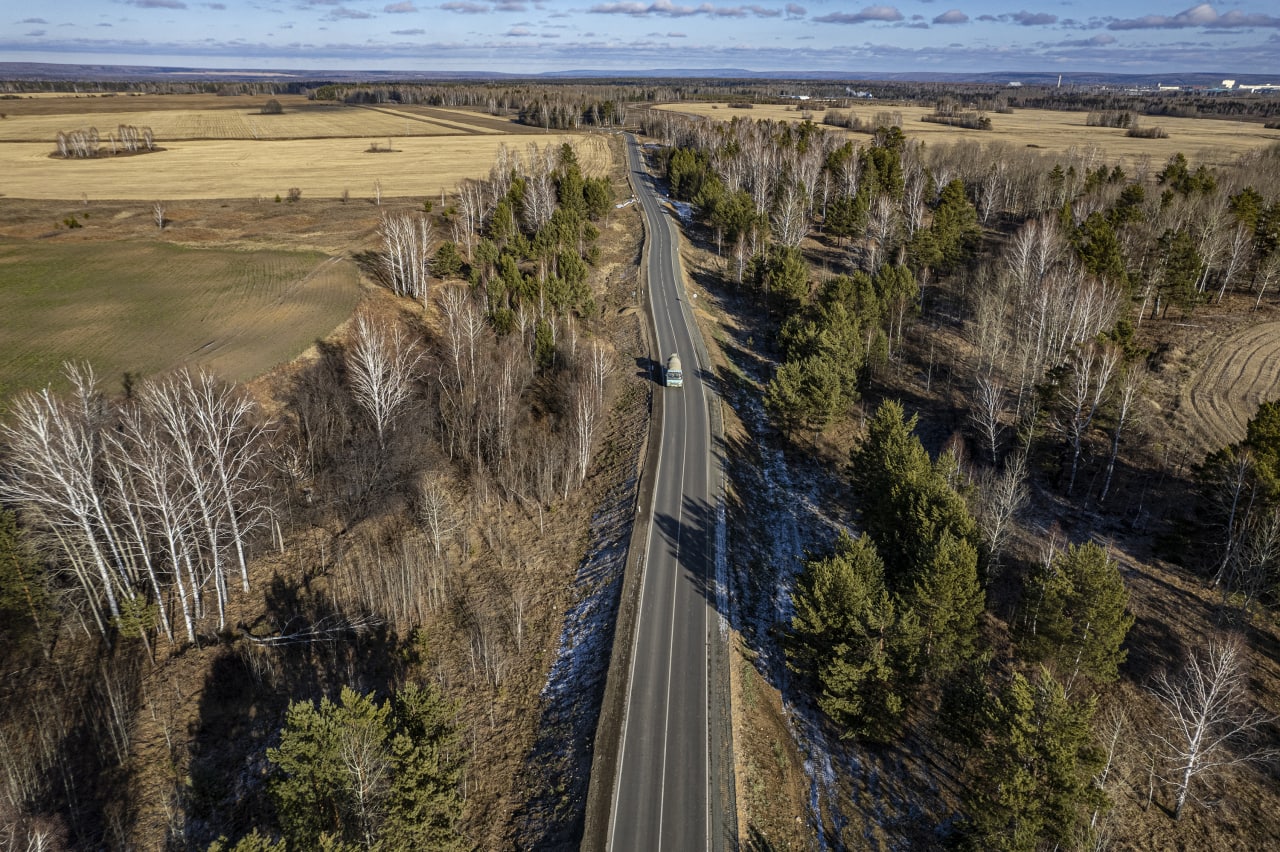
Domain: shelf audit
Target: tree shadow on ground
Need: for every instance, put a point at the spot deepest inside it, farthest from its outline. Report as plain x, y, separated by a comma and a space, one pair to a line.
250, 684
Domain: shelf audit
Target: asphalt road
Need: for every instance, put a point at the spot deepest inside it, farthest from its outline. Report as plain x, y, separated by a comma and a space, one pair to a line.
663, 795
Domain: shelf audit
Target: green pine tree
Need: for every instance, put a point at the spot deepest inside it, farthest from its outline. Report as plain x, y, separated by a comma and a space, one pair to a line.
924, 533
890, 455
809, 392
948, 600
1078, 616
1033, 784
955, 227
848, 636
783, 277
359, 774
424, 806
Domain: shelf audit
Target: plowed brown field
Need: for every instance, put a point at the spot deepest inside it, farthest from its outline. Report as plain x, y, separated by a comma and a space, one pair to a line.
1238, 372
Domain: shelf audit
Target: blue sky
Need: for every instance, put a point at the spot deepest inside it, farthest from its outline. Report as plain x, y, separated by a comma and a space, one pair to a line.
525, 36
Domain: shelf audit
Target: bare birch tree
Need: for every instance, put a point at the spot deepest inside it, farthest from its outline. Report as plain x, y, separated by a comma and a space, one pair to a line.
790, 217
1000, 498
437, 511
1268, 271
1239, 249
233, 439
539, 195
985, 412
169, 406
383, 364
50, 474
1209, 718
1081, 395
1130, 386
586, 424
881, 226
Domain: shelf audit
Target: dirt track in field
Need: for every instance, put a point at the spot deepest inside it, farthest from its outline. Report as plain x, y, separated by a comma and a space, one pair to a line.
1238, 372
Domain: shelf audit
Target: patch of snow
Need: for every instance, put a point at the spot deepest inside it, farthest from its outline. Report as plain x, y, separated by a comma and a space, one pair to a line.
779, 510
722, 569
559, 765
683, 209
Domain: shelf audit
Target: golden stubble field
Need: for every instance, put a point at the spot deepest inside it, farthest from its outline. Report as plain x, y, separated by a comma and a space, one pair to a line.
237, 168
1212, 142
223, 147
311, 121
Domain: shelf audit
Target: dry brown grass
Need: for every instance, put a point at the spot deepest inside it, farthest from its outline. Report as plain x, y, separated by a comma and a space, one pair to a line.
1212, 142
249, 169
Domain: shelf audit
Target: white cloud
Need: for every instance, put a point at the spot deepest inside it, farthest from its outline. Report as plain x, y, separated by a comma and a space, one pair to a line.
954, 16
871, 13
667, 9
1203, 15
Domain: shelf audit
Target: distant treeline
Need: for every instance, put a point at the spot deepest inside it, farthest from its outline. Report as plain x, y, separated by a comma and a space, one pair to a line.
149, 87
968, 120
850, 120
578, 95
550, 107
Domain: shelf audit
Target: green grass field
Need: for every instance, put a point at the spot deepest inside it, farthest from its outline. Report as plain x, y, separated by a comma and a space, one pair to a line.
147, 307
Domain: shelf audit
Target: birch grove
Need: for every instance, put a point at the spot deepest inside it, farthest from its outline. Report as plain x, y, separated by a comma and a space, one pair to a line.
406, 255
150, 504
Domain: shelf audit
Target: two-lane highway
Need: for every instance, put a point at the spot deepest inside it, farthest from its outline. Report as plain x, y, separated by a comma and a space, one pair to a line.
664, 792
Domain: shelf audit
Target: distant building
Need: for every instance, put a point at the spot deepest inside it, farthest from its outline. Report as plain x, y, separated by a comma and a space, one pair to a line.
1015, 84
1228, 84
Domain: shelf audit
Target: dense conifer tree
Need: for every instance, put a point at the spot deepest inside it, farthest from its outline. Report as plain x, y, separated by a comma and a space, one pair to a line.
1078, 615
1033, 784
849, 635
